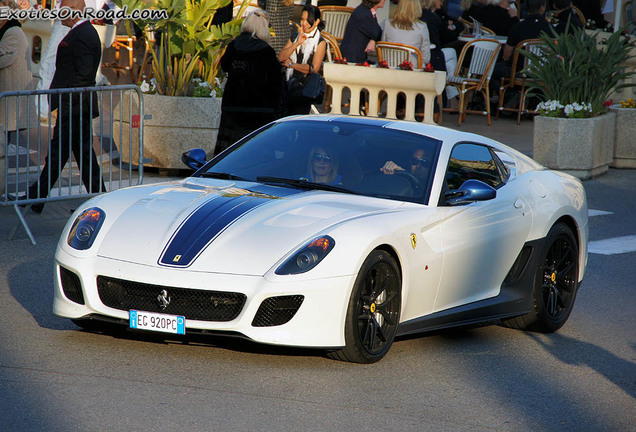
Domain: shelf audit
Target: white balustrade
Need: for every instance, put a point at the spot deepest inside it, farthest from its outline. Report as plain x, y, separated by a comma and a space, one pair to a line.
377, 80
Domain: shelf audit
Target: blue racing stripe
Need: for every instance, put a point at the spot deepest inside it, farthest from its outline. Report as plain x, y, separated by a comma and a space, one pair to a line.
209, 220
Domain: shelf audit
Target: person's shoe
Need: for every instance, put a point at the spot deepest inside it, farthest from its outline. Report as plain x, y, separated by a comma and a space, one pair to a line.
12, 197
37, 207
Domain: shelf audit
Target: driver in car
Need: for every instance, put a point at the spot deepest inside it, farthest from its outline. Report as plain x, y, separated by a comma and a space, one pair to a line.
417, 165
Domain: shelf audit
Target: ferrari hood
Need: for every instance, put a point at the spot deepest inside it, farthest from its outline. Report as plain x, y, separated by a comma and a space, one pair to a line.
227, 227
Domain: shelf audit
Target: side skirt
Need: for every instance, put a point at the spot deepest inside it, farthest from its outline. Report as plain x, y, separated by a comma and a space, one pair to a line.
515, 298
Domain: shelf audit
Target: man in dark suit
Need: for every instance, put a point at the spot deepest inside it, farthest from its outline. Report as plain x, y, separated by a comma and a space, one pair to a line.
78, 58
362, 31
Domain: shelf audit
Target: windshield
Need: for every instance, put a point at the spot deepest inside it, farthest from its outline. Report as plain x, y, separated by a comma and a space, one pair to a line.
339, 155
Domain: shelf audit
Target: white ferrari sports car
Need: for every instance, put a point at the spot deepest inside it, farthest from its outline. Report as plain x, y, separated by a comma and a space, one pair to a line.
332, 232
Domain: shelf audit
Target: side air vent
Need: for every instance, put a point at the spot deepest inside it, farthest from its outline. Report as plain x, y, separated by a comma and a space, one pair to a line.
71, 286
519, 265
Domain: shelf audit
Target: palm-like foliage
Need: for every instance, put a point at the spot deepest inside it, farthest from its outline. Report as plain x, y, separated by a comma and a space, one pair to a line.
575, 67
188, 45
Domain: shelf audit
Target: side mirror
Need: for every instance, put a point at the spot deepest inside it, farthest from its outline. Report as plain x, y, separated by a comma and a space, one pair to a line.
470, 191
194, 158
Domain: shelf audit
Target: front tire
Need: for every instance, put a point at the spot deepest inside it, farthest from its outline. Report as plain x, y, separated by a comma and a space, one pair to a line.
373, 313
555, 283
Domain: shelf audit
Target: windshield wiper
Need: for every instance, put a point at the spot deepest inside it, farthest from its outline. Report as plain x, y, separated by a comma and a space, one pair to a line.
222, 176
304, 184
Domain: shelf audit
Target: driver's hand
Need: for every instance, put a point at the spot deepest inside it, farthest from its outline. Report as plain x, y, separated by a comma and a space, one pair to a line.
390, 167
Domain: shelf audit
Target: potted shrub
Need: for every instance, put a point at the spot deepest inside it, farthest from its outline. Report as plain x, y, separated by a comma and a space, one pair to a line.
624, 133
182, 104
574, 75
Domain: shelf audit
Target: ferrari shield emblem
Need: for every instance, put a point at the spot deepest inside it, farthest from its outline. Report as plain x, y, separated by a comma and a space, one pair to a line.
413, 240
176, 258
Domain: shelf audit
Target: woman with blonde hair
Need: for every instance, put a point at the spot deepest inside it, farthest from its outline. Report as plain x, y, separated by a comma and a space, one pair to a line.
406, 28
323, 167
252, 96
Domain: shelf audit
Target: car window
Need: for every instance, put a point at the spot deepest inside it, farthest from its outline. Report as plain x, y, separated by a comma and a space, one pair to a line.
355, 151
472, 161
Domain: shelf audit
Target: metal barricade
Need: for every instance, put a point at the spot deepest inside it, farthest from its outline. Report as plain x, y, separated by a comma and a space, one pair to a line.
30, 145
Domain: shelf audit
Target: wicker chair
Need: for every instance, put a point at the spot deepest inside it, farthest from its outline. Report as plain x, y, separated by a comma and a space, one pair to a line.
518, 79
476, 78
336, 19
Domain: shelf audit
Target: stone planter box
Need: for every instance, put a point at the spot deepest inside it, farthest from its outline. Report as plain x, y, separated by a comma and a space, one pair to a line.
624, 137
580, 147
177, 124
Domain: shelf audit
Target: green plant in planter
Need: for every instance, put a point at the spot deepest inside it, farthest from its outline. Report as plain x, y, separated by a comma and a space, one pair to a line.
188, 46
574, 74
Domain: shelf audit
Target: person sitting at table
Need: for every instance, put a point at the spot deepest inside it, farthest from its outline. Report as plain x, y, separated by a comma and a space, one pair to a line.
406, 28
563, 13
362, 31
442, 59
498, 16
530, 28
474, 10
322, 167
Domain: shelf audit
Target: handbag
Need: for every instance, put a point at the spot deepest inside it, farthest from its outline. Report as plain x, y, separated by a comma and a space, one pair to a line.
314, 87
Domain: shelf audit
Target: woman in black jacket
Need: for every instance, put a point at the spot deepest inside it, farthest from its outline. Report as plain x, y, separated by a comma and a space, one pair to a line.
252, 96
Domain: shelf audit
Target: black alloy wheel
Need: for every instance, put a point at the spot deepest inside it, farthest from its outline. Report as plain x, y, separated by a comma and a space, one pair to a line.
374, 310
555, 283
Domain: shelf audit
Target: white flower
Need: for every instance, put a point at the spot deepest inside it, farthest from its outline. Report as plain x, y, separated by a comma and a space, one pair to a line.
145, 87
205, 84
213, 93
569, 109
196, 80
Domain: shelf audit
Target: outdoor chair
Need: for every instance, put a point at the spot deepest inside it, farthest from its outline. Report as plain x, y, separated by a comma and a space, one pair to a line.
395, 53
580, 14
483, 54
333, 49
518, 79
336, 18
333, 52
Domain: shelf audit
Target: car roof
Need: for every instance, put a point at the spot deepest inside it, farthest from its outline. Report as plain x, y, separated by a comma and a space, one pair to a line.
431, 130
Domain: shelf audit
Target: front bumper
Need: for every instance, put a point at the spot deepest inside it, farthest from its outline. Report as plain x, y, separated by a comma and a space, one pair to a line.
318, 322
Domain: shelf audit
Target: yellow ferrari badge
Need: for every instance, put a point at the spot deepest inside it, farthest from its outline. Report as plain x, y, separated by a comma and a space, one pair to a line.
413, 240
176, 258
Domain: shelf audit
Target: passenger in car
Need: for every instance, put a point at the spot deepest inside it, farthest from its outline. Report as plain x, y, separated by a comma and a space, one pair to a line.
323, 167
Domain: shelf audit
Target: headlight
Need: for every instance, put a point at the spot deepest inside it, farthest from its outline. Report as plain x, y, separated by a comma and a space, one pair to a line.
85, 228
307, 257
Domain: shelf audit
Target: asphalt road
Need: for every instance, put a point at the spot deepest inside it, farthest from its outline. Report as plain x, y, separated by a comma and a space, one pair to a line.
55, 377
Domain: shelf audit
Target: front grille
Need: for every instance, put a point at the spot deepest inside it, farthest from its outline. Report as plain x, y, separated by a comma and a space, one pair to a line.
71, 286
277, 310
193, 304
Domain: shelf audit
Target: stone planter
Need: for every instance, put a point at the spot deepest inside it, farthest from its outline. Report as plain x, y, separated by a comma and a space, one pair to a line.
581, 147
624, 137
172, 126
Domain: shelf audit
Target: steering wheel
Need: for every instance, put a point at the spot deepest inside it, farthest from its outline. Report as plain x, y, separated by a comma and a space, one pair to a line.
414, 181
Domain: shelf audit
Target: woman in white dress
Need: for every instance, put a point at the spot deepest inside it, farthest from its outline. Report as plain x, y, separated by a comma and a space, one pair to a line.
406, 28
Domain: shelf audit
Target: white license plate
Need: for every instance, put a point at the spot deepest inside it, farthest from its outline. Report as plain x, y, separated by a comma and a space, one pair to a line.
157, 322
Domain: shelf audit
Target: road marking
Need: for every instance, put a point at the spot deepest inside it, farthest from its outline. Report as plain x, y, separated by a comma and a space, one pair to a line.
613, 246
591, 213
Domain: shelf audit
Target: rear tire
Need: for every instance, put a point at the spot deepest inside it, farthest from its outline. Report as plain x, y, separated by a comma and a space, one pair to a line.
373, 313
555, 284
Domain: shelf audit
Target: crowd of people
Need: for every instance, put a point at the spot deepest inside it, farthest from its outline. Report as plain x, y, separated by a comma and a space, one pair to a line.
425, 24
